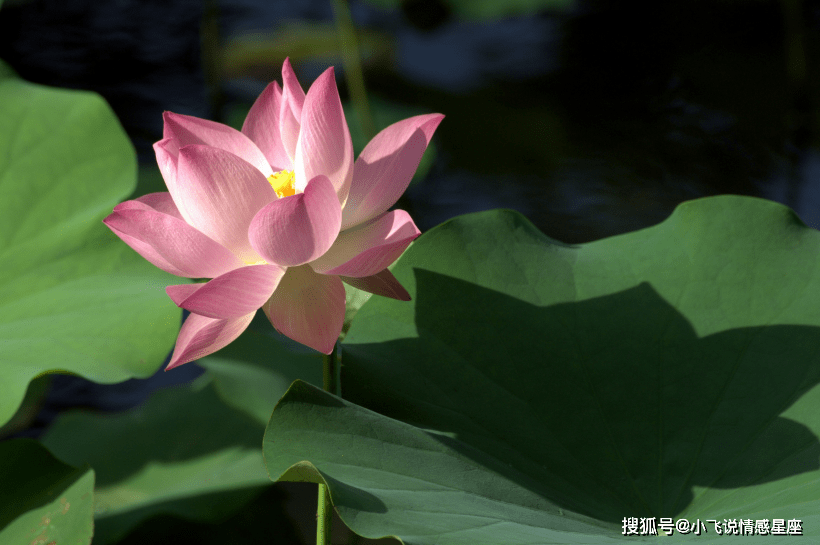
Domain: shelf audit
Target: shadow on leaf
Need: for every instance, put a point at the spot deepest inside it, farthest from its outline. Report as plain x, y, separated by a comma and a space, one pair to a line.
608, 407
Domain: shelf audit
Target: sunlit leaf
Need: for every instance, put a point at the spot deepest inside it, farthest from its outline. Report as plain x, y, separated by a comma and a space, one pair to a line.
73, 297
532, 387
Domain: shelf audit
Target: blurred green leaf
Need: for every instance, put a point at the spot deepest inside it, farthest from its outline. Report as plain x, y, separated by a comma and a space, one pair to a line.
260, 55
532, 387
490, 9
44, 500
149, 180
495, 9
254, 371
184, 453
73, 297
36, 394
354, 299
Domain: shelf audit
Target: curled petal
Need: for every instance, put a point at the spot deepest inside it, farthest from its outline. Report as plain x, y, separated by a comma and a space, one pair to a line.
382, 283
262, 126
308, 307
231, 295
186, 130
385, 167
160, 202
369, 248
169, 242
297, 229
219, 194
324, 145
290, 110
201, 336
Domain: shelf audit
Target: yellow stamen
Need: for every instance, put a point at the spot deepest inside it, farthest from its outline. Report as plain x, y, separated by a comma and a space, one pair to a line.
282, 183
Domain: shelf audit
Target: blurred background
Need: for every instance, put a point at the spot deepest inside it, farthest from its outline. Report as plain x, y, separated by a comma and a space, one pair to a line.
590, 117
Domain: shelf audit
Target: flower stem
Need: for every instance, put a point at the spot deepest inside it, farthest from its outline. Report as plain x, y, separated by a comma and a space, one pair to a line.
353, 66
330, 379
324, 509
324, 517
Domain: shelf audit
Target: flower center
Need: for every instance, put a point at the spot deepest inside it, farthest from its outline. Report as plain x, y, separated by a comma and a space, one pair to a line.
282, 183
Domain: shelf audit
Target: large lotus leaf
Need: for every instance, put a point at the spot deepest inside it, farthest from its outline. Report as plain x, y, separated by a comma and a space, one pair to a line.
184, 453
388, 478
73, 297
669, 372
44, 500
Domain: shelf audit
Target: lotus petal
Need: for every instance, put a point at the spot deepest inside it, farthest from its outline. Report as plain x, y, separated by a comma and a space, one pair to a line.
297, 229
186, 130
382, 283
219, 194
231, 295
161, 202
308, 307
262, 126
385, 167
290, 110
369, 248
201, 336
169, 242
324, 146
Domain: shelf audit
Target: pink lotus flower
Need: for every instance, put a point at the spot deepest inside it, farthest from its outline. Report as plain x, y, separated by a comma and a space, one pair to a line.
277, 215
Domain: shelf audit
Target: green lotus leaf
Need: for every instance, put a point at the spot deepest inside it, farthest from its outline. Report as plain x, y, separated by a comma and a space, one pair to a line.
388, 478
43, 499
533, 388
73, 297
183, 453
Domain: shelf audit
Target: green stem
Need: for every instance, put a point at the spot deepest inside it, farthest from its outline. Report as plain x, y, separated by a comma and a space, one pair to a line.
324, 517
353, 66
330, 373
324, 509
